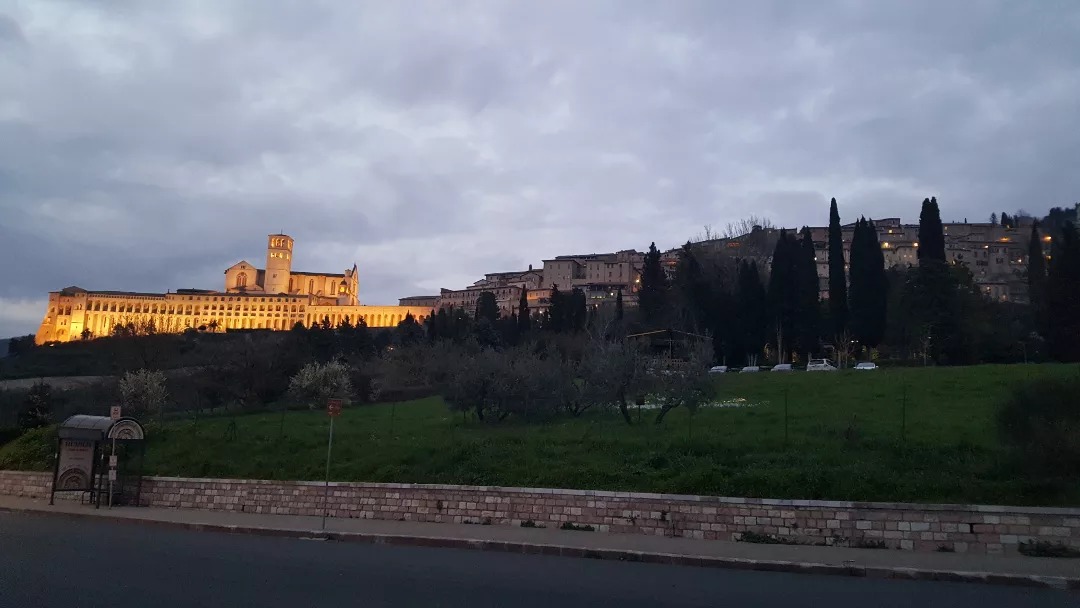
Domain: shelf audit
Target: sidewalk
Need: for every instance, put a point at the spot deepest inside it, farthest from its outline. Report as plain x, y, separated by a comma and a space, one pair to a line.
876, 563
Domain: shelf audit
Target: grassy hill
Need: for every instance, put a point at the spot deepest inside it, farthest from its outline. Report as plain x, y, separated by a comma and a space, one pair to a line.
848, 438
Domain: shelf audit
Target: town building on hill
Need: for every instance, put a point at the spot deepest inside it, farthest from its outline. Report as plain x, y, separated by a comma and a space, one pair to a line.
995, 254
271, 298
601, 276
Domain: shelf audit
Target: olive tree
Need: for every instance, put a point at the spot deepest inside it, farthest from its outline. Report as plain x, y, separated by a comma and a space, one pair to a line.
315, 383
681, 383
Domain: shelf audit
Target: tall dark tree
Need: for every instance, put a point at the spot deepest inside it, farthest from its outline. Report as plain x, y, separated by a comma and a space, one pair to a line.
577, 310
487, 307
751, 326
441, 324
523, 318
652, 298
931, 233
783, 294
692, 291
557, 313
1037, 279
838, 298
993, 219
508, 329
408, 332
1006, 221
619, 306
809, 321
1054, 221
355, 339
1063, 296
869, 285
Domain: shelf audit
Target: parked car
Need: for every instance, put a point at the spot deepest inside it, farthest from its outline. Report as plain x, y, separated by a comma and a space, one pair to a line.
782, 367
820, 365
866, 365
750, 369
718, 369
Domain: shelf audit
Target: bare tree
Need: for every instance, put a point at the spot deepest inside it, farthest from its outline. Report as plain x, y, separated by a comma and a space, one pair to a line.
745, 226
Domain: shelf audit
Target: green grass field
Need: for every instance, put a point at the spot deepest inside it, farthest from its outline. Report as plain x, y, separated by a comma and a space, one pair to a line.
846, 439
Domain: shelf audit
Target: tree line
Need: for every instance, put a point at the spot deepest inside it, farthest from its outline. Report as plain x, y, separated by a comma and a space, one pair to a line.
932, 312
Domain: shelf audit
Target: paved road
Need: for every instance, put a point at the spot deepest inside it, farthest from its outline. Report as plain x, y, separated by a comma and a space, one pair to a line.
50, 561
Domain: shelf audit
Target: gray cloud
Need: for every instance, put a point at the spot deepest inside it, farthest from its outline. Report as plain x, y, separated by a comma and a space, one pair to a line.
150, 146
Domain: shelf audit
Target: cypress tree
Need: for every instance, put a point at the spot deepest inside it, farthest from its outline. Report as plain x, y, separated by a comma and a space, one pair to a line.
783, 294
556, 317
809, 288
750, 312
1037, 279
487, 307
523, 319
838, 298
692, 290
869, 285
619, 306
931, 234
577, 313
859, 288
653, 295
1063, 296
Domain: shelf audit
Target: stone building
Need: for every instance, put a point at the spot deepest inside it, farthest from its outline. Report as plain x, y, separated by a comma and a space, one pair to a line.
601, 276
275, 298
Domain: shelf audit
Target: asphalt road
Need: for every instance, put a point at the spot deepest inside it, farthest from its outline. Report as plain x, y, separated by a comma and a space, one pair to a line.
51, 561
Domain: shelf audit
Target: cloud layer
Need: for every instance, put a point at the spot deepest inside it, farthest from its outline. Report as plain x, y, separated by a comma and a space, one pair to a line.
149, 146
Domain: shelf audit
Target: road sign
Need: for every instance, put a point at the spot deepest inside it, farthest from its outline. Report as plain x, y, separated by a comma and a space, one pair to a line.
333, 407
114, 412
112, 476
114, 461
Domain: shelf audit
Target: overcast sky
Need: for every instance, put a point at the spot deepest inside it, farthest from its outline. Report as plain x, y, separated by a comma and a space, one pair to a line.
149, 145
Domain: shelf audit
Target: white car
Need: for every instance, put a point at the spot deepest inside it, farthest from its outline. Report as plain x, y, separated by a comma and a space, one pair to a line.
820, 365
866, 365
782, 367
719, 369
749, 369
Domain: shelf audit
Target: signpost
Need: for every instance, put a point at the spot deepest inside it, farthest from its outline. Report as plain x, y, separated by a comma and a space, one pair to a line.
114, 413
333, 410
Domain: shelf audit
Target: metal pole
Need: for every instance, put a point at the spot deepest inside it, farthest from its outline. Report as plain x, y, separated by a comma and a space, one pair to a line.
903, 416
326, 489
111, 471
785, 416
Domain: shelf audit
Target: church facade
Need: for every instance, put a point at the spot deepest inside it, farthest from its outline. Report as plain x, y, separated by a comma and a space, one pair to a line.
274, 297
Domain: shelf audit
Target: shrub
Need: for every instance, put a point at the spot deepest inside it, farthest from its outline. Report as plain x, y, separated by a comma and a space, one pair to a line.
33, 451
1041, 422
38, 407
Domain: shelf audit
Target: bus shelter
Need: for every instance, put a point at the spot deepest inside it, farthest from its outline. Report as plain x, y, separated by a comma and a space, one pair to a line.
97, 455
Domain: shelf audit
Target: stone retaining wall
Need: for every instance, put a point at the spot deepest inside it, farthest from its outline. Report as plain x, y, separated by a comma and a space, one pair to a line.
919, 527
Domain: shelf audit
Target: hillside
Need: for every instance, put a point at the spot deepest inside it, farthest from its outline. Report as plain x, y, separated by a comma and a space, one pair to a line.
849, 437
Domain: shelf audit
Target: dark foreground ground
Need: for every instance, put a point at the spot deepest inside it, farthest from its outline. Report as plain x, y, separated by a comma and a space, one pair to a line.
49, 561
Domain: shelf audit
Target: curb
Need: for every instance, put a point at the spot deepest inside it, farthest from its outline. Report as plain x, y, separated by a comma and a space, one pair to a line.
625, 555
